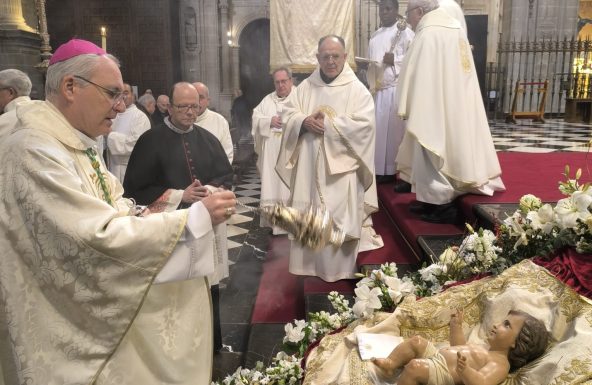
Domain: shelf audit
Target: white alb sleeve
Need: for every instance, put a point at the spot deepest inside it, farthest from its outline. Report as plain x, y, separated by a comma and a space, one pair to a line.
194, 253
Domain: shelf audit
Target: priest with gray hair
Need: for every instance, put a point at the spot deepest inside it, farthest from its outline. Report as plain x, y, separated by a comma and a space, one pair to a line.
447, 150
15, 87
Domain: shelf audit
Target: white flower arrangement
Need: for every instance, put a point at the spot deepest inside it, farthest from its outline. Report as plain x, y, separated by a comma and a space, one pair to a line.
284, 370
380, 290
477, 254
537, 229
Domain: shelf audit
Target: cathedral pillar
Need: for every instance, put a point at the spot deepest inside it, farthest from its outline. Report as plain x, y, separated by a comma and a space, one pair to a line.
226, 69
235, 68
11, 16
20, 44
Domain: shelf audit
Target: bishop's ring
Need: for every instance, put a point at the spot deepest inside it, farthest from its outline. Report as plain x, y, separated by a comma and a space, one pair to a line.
228, 211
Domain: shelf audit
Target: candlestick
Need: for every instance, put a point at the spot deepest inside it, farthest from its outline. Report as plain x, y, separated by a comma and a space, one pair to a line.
104, 38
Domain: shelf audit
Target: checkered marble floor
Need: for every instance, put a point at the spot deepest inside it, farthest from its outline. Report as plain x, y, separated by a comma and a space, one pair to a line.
247, 191
553, 135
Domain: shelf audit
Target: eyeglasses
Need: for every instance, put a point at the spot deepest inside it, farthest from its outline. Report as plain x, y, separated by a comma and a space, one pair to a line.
186, 107
407, 12
328, 57
115, 96
5, 88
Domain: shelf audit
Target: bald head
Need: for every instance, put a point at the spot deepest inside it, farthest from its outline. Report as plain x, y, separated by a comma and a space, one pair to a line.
331, 55
204, 97
162, 102
184, 105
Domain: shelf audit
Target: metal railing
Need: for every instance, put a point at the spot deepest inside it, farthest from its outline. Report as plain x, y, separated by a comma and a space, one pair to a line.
566, 64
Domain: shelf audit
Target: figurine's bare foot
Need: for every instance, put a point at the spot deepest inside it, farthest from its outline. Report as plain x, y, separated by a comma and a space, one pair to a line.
386, 368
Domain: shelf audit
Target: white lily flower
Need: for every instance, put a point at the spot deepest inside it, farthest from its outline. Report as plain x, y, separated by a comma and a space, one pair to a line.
366, 301
543, 219
572, 208
295, 333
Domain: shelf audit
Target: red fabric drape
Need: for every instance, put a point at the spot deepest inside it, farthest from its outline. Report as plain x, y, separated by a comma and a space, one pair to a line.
571, 268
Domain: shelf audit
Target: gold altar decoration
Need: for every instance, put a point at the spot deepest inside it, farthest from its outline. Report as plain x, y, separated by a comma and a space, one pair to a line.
312, 228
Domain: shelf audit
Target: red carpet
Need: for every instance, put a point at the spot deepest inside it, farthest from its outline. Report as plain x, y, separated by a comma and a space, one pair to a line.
280, 297
395, 248
526, 173
411, 226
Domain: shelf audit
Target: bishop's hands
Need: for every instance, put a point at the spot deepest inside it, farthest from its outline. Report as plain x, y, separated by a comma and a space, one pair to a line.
276, 122
221, 205
195, 192
315, 123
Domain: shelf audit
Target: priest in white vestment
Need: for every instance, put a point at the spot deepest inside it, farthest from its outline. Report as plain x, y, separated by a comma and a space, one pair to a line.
267, 131
212, 121
447, 149
95, 290
386, 49
15, 87
127, 128
327, 160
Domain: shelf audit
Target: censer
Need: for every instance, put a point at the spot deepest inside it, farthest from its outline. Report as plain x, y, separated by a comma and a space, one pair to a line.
313, 228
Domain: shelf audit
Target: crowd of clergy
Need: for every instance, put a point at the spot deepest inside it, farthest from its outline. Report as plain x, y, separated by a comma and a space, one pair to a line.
113, 211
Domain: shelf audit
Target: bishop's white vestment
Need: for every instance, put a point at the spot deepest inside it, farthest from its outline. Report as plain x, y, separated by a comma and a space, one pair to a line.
382, 80
454, 10
79, 303
268, 141
334, 170
127, 127
218, 126
447, 149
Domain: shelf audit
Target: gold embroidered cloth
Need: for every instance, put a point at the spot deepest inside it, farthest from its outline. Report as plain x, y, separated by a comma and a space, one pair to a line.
295, 30
526, 286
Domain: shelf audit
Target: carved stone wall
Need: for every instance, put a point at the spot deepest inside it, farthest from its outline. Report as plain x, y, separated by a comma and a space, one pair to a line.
142, 34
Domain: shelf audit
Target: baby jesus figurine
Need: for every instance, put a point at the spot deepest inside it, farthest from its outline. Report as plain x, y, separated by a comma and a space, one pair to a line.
514, 342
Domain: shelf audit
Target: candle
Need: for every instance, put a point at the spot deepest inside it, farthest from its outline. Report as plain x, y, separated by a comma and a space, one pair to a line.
104, 38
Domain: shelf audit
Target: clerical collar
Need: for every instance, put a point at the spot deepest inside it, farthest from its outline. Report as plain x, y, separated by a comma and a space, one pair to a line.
170, 125
88, 141
327, 79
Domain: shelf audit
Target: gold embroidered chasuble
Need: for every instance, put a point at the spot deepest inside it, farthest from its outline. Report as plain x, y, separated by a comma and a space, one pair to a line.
334, 170
438, 94
76, 273
525, 286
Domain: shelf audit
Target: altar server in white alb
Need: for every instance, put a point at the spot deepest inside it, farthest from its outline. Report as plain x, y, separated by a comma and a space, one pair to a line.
94, 289
212, 121
387, 49
267, 131
127, 128
327, 160
447, 149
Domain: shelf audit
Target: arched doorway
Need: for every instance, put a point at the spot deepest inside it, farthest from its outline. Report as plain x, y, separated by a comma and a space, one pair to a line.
254, 74
254, 61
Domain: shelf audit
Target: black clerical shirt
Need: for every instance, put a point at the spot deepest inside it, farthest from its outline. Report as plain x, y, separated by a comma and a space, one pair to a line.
163, 159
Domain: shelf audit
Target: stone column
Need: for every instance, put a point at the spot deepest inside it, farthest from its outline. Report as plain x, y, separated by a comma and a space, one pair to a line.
226, 69
11, 16
235, 68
